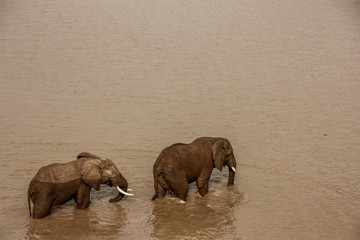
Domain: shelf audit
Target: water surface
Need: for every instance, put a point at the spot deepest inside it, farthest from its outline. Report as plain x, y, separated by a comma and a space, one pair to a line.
124, 79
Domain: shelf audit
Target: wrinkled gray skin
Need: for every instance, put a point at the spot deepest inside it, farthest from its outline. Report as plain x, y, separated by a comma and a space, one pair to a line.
181, 164
57, 183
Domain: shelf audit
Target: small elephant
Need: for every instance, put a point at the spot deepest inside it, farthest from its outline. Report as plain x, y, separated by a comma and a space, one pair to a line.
55, 184
181, 164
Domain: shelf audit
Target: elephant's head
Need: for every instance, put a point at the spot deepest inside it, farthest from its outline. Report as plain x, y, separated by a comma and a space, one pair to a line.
96, 171
222, 155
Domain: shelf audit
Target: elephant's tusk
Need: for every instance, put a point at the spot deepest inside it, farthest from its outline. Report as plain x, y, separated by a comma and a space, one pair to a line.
123, 192
130, 190
234, 170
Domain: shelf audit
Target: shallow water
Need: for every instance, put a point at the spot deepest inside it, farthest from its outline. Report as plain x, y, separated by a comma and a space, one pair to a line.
123, 80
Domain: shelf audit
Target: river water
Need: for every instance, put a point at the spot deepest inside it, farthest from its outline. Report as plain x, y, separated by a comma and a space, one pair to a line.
124, 79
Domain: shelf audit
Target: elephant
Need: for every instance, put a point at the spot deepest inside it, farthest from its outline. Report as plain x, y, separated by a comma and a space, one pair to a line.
55, 184
180, 164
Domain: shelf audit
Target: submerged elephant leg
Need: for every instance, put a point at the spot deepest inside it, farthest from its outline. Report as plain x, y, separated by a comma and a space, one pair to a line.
41, 210
82, 196
203, 186
202, 182
42, 204
182, 192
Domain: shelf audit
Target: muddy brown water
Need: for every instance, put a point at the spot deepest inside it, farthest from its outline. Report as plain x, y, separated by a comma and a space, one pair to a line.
124, 79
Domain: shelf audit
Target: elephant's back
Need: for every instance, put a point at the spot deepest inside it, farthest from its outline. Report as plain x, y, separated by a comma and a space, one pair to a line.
166, 155
171, 157
171, 151
59, 172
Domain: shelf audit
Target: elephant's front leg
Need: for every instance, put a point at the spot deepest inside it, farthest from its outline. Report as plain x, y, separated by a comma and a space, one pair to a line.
202, 184
82, 196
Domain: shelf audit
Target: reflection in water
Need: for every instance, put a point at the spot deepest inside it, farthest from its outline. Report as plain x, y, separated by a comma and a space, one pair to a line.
210, 217
91, 223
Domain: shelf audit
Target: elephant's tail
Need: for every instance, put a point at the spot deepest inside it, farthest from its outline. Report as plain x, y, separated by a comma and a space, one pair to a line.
154, 197
159, 181
29, 204
164, 184
155, 187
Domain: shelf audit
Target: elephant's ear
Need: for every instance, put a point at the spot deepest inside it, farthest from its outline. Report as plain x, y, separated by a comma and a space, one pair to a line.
218, 154
91, 173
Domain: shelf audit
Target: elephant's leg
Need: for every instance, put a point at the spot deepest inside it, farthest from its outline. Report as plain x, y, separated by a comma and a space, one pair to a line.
41, 210
179, 184
160, 191
203, 186
43, 204
82, 197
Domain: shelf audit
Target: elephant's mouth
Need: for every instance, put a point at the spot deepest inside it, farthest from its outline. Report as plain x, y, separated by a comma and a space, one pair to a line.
108, 183
122, 193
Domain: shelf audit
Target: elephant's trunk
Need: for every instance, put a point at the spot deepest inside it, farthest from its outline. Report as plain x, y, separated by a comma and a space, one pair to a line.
121, 185
232, 169
231, 177
117, 198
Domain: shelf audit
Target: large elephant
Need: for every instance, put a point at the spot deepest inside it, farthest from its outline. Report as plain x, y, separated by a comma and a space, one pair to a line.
55, 184
181, 164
